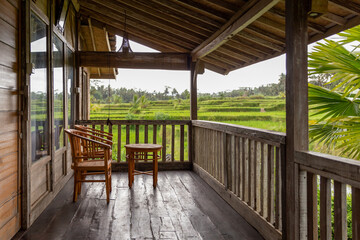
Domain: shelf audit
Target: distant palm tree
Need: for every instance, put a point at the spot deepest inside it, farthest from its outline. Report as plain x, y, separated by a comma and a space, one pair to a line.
338, 108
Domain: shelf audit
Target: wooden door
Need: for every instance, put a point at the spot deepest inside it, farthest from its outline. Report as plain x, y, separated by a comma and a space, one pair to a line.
9, 127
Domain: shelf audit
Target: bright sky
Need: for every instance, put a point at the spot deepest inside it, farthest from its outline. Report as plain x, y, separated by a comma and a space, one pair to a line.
150, 80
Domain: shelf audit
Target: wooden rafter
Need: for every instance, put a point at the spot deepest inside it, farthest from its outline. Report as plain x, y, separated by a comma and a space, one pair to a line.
109, 47
244, 17
144, 17
141, 26
133, 30
168, 61
93, 41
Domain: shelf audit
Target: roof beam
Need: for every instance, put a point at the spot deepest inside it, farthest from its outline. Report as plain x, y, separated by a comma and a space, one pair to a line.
251, 11
165, 61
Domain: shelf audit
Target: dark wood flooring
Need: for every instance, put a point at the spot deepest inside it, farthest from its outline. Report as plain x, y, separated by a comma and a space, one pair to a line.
183, 206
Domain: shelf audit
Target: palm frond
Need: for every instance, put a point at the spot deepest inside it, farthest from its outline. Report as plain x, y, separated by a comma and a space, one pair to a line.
331, 104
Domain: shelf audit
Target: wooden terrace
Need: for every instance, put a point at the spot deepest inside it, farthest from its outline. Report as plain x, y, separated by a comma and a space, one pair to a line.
183, 206
268, 181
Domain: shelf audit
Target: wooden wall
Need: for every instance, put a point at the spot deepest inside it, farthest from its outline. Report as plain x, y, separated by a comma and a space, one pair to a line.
9, 127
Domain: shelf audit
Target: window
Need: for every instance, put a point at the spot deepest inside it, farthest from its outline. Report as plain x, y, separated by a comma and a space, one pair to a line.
58, 63
39, 89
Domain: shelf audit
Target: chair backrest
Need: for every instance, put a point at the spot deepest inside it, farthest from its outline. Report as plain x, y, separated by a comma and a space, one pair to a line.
95, 132
83, 147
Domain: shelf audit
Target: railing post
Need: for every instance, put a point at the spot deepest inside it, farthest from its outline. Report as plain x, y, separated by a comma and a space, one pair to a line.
296, 107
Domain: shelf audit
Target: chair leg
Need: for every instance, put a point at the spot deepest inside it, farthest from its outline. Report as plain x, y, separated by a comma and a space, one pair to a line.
107, 186
75, 186
110, 173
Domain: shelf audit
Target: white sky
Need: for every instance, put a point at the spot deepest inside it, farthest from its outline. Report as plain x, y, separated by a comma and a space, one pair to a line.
150, 80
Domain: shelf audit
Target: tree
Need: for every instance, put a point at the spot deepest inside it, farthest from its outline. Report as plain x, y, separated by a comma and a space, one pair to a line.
174, 93
338, 108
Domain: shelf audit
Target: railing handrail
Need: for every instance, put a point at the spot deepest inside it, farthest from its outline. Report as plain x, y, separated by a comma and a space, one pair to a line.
342, 169
134, 122
249, 132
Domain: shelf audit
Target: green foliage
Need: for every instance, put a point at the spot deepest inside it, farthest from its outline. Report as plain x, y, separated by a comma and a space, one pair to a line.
338, 109
257, 97
161, 116
130, 116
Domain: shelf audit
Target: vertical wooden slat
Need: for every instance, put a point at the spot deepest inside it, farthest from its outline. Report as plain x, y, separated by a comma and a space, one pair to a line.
225, 161
172, 143
277, 189
270, 186
312, 213
182, 143
119, 144
244, 180
190, 142
303, 205
325, 209
154, 134
110, 128
136, 133
237, 172
146, 134
356, 213
340, 208
164, 143
255, 170
262, 180
93, 126
127, 134
251, 172
102, 127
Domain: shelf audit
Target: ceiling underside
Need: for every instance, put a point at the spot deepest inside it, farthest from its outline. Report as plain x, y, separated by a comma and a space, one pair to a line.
187, 25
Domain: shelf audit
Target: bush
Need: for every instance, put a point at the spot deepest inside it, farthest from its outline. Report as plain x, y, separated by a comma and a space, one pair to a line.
130, 116
257, 96
161, 116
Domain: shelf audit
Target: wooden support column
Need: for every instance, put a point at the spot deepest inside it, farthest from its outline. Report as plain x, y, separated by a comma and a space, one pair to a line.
77, 74
296, 108
193, 91
25, 107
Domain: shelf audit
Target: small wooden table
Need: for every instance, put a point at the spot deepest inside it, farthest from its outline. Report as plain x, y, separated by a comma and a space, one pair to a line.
135, 152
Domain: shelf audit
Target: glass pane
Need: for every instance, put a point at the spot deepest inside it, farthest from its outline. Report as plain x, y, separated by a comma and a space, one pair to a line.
58, 56
70, 82
39, 90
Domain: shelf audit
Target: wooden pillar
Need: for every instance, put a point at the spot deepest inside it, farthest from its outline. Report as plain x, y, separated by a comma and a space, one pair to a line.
296, 108
193, 91
77, 75
25, 136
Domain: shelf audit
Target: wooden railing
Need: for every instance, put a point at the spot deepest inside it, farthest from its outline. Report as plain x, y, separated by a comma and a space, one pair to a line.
337, 181
244, 165
171, 134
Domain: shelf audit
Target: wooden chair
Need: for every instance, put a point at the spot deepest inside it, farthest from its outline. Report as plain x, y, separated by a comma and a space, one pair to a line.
96, 135
87, 160
95, 132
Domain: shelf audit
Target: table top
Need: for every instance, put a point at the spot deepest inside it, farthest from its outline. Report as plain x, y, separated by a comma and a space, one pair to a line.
143, 146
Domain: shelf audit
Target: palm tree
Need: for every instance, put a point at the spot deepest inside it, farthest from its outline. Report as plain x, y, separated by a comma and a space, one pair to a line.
338, 109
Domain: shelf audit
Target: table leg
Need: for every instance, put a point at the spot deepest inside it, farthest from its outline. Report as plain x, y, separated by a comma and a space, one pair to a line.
155, 169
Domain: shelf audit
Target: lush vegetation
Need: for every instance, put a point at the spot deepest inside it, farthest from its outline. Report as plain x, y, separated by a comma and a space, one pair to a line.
338, 106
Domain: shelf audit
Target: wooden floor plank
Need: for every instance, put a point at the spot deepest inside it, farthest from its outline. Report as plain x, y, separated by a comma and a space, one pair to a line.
182, 206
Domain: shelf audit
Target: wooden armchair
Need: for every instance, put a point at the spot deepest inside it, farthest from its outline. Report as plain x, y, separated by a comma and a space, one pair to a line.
96, 135
89, 157
95, 132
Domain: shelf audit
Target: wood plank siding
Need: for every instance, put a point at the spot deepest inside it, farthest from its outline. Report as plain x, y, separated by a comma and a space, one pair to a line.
9, 128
